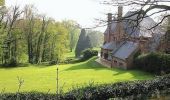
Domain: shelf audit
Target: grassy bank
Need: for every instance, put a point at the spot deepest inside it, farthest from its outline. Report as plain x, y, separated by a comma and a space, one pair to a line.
43, 78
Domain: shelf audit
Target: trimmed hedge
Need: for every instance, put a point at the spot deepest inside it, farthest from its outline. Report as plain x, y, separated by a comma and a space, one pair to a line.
156, 63
138, 90
88, 53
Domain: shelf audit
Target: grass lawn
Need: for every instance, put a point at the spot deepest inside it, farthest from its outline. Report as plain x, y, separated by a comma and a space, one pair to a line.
70, 55
43, 78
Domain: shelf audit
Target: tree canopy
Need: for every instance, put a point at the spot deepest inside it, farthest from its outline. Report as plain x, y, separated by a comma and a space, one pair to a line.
27, 36
2, 2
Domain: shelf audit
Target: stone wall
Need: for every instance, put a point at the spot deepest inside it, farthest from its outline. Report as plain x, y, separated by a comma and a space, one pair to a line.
118, 63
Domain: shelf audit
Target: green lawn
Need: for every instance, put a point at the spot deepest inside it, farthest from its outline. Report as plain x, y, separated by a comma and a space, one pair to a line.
70, 55
43, 78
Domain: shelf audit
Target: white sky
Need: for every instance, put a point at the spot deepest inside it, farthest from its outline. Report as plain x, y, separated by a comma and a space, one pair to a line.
82, 11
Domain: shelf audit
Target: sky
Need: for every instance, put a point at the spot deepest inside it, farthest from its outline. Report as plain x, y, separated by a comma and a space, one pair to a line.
83, 11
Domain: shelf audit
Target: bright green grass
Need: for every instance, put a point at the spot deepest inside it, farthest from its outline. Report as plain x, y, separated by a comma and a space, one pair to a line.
97, 48
70, 54
42, 79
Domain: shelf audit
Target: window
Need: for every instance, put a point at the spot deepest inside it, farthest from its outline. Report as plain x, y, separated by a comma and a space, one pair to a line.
105, 56
120, 64
115, 61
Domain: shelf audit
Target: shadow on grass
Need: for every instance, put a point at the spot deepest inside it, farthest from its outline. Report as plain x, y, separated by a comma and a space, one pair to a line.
89, 64
19, 65
25, 65
92, 64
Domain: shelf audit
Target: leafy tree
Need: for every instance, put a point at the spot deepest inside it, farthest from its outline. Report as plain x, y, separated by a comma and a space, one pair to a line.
11, 40
96, 38
73, 30
2, 2
28, 30
61, 42
26, 36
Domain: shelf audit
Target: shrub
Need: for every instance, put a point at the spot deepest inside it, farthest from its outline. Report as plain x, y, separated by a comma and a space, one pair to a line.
156, 63
134, 90
53, 62
141, 90
88, 53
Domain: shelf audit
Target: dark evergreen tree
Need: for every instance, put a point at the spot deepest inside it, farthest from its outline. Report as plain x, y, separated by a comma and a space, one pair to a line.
81, 43
88, 42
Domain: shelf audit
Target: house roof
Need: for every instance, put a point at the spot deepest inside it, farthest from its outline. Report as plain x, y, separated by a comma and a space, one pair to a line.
112, 45
142, 29
113, 28
121, 50
145, 24
125, 50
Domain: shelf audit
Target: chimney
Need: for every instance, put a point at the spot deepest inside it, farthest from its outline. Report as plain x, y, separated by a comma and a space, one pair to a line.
168, 28
119, 36
120, 12
109, 18
109, 26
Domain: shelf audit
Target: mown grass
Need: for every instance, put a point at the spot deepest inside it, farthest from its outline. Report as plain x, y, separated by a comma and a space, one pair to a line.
43, 78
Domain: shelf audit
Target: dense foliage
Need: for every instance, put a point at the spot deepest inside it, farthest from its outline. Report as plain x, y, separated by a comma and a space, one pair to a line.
138, 90
154, 63
88, 53
83, 43
96, 38
26, 36
88, 39
2, 2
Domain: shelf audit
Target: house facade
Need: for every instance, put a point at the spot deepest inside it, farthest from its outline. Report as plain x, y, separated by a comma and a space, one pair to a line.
122, 41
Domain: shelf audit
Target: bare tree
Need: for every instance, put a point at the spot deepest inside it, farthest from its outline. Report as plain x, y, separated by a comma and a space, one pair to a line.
139, 11
143, 9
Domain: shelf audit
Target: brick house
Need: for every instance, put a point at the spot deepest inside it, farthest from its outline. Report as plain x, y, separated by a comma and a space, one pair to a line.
122, 41
165, 40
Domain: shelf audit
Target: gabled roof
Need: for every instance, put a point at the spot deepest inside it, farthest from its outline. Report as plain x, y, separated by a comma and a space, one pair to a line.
121, 50
145, 24
112, 45
125, 50
113, 28
142, 29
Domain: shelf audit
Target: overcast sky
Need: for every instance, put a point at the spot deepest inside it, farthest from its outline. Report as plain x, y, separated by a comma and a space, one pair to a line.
82, 11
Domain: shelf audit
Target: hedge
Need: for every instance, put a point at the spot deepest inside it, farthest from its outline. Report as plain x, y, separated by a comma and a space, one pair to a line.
156, 63
88, 53
138, 90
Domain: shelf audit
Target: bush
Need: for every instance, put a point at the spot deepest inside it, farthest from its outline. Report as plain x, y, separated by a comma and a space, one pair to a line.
138, 90
156, 63
53, 62
88, 53
134, 90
